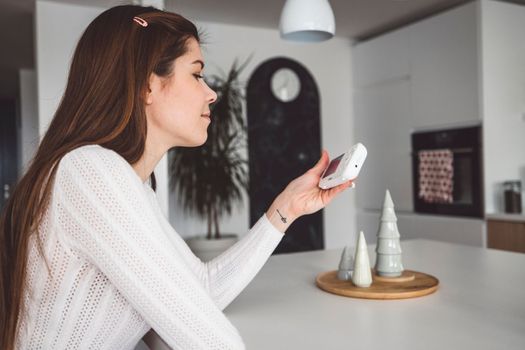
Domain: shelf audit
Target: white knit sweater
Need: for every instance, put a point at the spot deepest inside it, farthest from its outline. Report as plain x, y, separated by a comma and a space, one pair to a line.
118, 268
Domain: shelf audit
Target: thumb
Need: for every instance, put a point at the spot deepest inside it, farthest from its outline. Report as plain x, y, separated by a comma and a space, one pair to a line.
321, 164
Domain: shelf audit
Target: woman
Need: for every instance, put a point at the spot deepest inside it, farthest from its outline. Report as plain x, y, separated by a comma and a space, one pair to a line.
87, 258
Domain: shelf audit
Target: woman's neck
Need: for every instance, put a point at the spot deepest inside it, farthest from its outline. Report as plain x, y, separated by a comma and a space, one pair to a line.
149, 160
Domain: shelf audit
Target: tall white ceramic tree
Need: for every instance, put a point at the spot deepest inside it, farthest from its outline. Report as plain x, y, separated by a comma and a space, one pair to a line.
362, 276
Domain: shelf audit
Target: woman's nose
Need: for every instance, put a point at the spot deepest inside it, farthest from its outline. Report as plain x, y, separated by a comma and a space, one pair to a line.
212, 95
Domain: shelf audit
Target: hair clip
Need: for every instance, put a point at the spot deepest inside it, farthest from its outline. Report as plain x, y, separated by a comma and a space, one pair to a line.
140, 21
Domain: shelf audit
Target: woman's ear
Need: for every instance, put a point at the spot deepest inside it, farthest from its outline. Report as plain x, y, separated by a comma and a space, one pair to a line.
149, 97
151, 88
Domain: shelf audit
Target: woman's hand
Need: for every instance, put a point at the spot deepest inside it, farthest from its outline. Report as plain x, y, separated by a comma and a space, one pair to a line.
303, 196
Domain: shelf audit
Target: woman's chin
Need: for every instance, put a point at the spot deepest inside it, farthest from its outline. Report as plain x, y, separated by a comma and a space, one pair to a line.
203, 141
198, 142
194, 141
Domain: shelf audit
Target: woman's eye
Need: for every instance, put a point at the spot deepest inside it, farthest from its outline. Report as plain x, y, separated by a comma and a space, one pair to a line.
198, 76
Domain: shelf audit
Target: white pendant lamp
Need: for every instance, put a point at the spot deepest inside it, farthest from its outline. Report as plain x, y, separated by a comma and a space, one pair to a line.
307, 21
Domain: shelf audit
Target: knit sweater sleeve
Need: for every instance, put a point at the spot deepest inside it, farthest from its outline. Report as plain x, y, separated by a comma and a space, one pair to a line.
106, 217
228, 274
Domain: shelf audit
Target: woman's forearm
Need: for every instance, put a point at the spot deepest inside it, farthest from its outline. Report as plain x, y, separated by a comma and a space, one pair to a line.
280, 215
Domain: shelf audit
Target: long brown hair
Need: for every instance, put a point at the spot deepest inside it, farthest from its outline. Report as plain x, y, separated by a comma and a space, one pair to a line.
103, 104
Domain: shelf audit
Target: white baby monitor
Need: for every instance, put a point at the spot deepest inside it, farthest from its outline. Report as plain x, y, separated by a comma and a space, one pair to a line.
343, 168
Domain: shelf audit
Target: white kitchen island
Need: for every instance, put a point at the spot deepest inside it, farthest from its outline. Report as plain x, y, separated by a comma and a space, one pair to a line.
480, 304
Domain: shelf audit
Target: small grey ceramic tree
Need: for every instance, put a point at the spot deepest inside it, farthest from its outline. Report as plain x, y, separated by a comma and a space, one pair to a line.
346, 265
388, 248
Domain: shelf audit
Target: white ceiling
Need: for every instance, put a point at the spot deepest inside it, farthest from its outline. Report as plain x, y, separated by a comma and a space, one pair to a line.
355, 19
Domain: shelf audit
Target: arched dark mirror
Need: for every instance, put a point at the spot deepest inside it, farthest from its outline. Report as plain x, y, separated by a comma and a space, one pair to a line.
284, 140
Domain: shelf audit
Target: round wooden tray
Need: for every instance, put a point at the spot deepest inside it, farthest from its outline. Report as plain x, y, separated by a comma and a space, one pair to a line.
410, 284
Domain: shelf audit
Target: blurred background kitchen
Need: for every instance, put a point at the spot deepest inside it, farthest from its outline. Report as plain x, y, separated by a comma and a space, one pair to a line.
419, 82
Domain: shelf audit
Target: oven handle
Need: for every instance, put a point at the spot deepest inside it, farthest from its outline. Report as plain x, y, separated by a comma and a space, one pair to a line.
454, 150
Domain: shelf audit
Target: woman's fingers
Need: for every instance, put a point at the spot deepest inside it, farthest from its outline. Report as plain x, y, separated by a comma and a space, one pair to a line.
340, 188
331, 193
321, 164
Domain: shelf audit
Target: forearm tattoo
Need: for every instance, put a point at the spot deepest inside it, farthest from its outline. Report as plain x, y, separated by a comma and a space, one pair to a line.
283, 219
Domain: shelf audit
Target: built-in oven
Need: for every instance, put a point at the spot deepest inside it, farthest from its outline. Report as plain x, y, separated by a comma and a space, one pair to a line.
447, 171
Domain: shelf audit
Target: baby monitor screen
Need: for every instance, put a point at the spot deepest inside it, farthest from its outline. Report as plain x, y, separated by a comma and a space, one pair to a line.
333, 166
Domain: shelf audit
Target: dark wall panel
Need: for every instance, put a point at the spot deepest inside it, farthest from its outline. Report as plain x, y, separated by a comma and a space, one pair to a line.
284, 140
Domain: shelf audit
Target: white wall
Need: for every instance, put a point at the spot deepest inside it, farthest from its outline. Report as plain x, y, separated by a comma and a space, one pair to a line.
29, 137
503, 102
329, 63
58, 29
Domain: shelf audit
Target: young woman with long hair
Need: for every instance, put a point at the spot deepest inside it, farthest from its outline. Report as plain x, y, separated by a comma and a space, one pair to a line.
88, 261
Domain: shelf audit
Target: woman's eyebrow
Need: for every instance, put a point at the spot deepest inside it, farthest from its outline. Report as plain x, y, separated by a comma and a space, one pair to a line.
200, 62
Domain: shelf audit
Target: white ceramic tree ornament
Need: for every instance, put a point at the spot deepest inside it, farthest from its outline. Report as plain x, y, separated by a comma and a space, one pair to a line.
361, 277
388, 248
346, 265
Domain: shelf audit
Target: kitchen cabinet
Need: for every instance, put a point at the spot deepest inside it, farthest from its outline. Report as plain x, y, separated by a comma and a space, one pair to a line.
465, 231
440, 58
384, 127
444, 68
465, 67
437, 228
423, 76
382, 59
368, 222
506, 235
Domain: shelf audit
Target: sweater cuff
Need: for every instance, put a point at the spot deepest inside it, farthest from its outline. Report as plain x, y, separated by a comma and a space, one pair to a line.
268, 226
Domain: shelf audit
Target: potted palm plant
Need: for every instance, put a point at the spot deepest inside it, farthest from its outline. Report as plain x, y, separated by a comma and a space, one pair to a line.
209, 180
